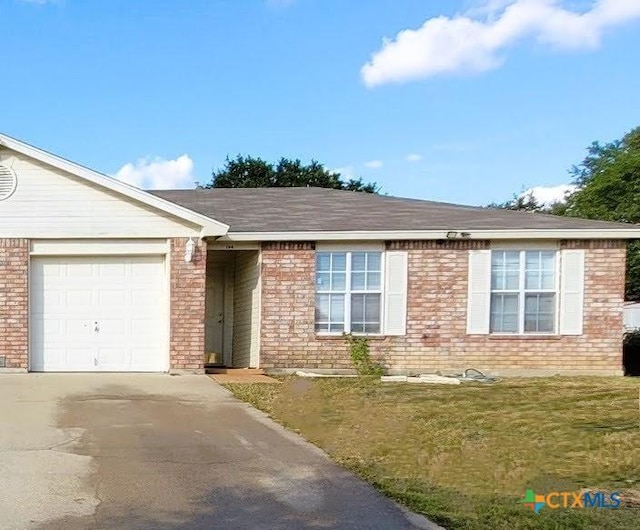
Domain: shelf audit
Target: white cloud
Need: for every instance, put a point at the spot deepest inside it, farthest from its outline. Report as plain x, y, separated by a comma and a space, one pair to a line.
347, 172
475, 41
413, 157
374, 164
157, 173
547, 195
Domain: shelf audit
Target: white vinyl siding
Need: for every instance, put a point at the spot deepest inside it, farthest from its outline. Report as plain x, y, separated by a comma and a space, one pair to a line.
50, 203
525, 291
361, 291
246, 309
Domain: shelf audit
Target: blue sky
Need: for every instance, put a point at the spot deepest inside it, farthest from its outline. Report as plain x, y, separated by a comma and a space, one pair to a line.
466, 102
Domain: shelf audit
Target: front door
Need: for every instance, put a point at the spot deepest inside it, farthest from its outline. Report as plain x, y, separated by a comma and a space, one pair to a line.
214, 316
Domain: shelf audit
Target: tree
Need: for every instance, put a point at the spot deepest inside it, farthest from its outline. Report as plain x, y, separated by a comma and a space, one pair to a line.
608, 189
250, 172
527, 202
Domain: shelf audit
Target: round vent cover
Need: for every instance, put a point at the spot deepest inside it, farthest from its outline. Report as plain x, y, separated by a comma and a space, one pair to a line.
8, 182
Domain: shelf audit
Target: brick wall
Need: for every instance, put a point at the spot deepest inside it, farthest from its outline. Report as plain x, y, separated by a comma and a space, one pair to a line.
436, 336
187, 307
14, 302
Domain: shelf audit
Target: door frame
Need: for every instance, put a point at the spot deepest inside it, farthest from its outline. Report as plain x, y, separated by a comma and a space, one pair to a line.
110, 248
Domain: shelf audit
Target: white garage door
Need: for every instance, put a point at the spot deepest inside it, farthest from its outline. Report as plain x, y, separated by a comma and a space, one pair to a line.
97, 313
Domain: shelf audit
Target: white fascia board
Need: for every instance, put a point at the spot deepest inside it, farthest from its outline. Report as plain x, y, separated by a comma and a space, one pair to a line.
210, 227
615, 233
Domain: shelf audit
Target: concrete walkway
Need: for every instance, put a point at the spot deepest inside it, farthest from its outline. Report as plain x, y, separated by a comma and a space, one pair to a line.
153, 451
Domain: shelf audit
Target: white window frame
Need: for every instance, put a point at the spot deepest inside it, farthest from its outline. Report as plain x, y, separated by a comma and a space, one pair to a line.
522, 291
348, 291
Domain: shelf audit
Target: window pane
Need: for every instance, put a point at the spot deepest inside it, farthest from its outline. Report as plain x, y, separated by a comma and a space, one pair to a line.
339, 261
357, 308
504, 313
338, 281
540, 269
512, 260
323, 281
372, 308
532, 259
539, 313
505, 270
322, 307
532, 280
358, 261
358, 281
337, 308
373, 280
323, 261
365, 313
512, 280
330, 313
548, 260
497, 280
374, 261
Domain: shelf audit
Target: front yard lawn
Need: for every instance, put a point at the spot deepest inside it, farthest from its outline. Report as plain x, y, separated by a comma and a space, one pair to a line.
465, 455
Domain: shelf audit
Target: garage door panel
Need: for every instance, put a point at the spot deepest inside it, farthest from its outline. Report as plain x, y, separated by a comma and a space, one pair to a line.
98, 313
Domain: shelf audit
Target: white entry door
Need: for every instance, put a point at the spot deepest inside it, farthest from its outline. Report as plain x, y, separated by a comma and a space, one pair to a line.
98, 314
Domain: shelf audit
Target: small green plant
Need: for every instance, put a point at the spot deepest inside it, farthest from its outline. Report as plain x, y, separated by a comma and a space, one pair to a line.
361, 356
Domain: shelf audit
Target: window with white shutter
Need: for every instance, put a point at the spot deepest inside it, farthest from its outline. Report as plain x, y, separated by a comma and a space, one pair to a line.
361, 292
525, 291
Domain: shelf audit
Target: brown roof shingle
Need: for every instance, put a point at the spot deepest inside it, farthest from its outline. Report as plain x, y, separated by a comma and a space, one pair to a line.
321, 209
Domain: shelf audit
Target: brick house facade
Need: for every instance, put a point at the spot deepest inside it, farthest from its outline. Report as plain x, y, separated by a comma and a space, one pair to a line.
14, 303
117, 286
436, 337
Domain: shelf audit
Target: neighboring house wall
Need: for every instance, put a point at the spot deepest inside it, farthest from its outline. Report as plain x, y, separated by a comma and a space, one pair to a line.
246, 308
49, 203
14, 303
436, 337
188, 284
631, 313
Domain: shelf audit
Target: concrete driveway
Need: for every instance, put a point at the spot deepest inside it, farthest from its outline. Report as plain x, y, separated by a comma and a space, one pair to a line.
153, 451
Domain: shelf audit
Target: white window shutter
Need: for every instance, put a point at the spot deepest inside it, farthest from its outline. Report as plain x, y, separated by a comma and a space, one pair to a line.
479, 292
571, 292
395, 295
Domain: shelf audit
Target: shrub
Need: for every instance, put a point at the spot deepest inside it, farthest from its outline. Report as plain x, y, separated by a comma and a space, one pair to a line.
361, 356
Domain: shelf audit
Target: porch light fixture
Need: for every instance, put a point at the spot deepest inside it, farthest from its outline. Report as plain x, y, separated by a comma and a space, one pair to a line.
189, 249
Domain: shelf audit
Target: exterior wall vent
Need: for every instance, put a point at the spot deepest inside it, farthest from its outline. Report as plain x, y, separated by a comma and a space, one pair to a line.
8, 182
3, 361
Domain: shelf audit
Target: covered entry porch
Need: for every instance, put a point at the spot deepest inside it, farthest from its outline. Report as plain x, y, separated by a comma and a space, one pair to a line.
232, 308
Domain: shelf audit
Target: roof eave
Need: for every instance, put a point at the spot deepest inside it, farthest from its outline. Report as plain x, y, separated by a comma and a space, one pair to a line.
453, 233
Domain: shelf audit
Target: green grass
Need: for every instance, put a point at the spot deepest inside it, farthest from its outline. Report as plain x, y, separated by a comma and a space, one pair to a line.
465, 455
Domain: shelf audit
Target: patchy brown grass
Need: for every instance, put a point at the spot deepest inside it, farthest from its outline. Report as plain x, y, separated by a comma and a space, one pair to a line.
465, 455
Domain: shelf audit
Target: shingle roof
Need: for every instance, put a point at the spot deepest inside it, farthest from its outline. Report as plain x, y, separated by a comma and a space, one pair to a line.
321, 209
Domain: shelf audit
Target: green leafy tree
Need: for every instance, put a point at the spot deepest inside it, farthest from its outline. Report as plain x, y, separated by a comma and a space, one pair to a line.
250, 172
527, 202
609, 190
